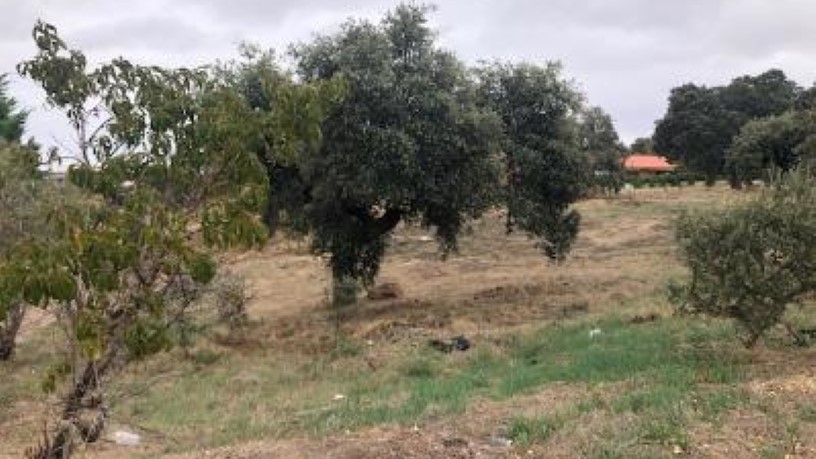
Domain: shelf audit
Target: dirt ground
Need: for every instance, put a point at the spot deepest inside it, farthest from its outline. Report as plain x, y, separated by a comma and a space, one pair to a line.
496, 283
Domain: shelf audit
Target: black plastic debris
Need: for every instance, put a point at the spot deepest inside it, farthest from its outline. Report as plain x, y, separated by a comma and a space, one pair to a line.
457, 343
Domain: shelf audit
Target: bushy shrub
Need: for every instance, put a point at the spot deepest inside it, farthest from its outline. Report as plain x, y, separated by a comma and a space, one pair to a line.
752, 261
231, 297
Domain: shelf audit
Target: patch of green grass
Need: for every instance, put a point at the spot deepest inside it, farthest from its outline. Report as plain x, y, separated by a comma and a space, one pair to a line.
659, 397
772, 452
656, 352
712, 403
263, 394
526, 431
666, 428
420, 367
807, 414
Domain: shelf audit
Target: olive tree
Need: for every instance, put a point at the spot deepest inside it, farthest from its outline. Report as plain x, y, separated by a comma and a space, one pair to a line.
415, 139
752, 261
407, 143
542, 152
165, 157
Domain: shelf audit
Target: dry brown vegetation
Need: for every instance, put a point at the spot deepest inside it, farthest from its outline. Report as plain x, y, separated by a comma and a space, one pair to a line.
289, 365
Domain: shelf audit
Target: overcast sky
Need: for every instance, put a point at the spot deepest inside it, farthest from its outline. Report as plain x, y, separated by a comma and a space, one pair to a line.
625, 54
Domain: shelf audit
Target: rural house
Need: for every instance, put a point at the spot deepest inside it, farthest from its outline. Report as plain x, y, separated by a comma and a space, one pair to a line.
642, 165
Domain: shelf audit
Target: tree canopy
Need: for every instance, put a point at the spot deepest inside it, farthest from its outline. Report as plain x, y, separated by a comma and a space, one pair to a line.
543, 156
167, 162
603, 149
779, 142
642, 145
701, 122
414, 140
12, 120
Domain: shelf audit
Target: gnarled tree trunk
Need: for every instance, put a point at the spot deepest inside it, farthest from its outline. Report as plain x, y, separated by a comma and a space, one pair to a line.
83, 415
9, 329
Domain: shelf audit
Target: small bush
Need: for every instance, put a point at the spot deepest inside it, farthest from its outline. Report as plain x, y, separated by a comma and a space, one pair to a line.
230, 300
750, 262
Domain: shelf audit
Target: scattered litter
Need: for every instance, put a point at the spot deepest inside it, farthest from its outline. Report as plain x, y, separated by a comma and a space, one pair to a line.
594, 332
125, 438
339, 397
370, 342
457, 343
638, 319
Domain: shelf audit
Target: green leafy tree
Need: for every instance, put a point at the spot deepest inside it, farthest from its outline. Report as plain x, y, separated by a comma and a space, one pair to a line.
22, 218
12, 120
604, 151
279, 106
751, 262
779, 142
642, 145
701, 122
167, 161
806, 99
769, 93
543, 151
407, 143
697, 130
413, 141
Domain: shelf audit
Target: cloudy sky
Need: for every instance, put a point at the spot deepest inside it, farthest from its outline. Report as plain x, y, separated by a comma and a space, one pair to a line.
625, 54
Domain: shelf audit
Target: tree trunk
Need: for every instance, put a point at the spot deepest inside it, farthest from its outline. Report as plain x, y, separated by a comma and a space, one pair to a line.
9, 330
84, 397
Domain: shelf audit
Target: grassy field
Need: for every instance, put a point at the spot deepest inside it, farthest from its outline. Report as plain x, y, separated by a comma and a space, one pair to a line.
584, 359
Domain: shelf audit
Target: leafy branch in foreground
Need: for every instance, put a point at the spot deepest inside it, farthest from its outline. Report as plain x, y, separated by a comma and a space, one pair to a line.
167, 163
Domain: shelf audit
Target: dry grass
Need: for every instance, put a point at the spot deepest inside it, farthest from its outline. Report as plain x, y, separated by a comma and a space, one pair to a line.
651, 389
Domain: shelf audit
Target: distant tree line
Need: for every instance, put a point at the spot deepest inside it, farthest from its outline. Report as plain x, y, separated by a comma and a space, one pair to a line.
736, 131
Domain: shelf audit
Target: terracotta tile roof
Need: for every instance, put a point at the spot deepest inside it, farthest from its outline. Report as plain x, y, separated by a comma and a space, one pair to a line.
647, 163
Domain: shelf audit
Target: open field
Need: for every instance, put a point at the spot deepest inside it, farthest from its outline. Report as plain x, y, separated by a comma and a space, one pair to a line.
534, 384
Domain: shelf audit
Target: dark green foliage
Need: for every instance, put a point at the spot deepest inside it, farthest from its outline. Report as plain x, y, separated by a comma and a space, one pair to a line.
779, 142
642, 145
12, 120
697, 130
603, 149
412, 140
408, 142
25, 200
701, 122
166, 161
546, 169
752, 261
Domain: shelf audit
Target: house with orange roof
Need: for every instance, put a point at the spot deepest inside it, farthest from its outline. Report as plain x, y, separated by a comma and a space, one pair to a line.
645, 165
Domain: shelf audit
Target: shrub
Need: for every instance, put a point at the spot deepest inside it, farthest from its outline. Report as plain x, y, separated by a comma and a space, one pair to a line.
230, 300
750, 262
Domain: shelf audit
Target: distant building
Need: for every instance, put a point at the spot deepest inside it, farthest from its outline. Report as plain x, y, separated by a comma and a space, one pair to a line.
642, 165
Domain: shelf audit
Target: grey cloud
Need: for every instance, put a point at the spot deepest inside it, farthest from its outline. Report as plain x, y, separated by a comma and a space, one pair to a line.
626, 54
152, 34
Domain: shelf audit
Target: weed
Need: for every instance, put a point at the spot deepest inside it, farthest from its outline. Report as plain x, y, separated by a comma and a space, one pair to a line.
526, 431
